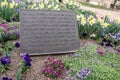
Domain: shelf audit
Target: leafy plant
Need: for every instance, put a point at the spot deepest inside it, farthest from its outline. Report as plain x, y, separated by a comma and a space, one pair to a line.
112, 40
1, 51
87, 26
4, 65
25, 66
9, 46
113, 28
13, 34
2, 35
101, 64
53, 68
6, 52
8, 10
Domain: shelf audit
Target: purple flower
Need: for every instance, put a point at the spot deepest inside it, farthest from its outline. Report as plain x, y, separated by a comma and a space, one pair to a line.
27, 59
104, 40
17, 44
86, 15
6, 78
100, 51
115, 43
114, 65
17, 10
102, 44
83, 73
5, 60
17, 34
28, 64
69, 71
7, 36
5, 27
74, 78
84, 34
95, 17
118, 51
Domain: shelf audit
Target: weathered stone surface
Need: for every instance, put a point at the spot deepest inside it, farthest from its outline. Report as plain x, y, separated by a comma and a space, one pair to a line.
48, 32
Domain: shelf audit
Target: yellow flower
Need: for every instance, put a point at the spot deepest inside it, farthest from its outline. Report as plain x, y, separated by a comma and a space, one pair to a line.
56, 7
83, 21
42, 5
65, 1
93, 21
34, 5
70, 2
16, 4
78, 17
49, 6
11, 5
31, 7
46, 2
100, 20
90, 18
92, 35
117, 20
4, 3
106, 25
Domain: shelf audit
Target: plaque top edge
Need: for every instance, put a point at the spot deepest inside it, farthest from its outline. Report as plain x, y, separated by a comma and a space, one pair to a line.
47, 10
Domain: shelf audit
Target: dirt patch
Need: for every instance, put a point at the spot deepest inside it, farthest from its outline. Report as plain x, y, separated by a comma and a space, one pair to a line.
37, 63
103, 13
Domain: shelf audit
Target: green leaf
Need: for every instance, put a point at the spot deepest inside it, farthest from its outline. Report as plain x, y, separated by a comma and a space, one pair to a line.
19, 73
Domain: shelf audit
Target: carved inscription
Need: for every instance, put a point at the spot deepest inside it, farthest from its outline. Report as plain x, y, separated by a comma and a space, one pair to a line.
48, 32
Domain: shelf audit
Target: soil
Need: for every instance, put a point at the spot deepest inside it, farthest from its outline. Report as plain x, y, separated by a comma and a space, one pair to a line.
35, 71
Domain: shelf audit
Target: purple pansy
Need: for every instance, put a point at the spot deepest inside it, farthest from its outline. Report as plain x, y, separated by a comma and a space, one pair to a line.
5, 60
27, 59
6, 78
28, 64
17, 44
84, 34
7, 36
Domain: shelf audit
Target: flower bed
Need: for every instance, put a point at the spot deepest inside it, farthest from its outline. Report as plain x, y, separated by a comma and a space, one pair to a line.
92, 62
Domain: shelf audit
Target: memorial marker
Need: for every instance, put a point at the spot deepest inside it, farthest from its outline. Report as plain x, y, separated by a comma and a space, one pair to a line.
48, 32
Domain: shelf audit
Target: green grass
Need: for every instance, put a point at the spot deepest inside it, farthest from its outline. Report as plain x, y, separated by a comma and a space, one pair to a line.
94, 6
102, 67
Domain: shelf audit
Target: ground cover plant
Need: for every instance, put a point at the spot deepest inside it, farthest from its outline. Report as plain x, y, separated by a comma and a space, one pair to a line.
93, 63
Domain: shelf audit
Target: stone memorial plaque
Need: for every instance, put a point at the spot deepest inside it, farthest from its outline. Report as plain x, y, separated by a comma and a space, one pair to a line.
48, 32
